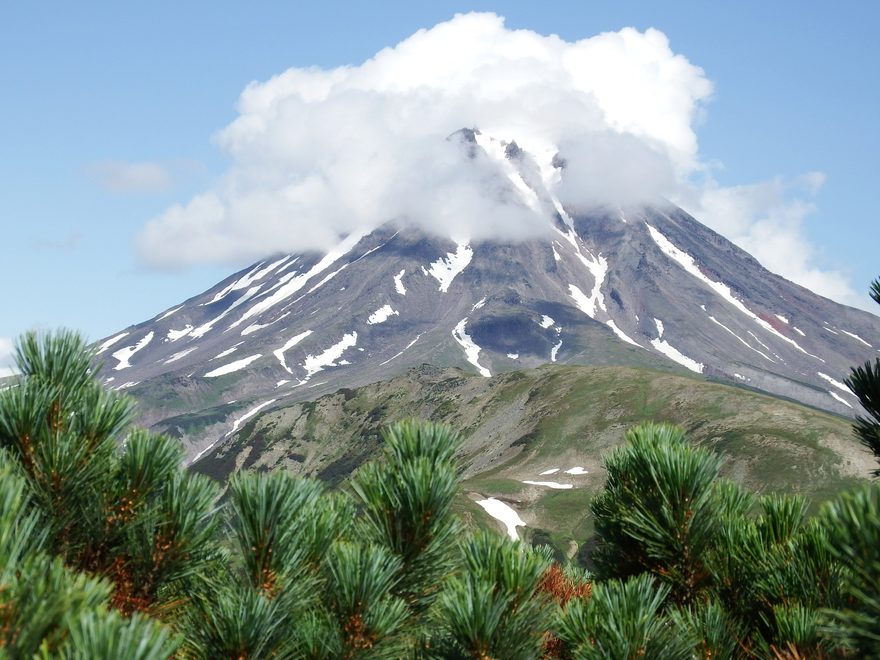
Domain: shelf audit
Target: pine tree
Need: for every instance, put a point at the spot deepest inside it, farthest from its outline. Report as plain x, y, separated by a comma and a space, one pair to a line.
864, 381
659, 511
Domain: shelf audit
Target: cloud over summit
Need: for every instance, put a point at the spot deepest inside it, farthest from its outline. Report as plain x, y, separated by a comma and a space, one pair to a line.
320, 152
317, 153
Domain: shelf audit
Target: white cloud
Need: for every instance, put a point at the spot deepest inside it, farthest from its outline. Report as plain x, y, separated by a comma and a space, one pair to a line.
131, 178
7, 363
317, 153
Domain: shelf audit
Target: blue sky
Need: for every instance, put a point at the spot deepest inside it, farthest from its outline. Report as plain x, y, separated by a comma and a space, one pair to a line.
109, 110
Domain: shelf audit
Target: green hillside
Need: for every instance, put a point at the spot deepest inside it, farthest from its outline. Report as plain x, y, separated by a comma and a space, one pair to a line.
522, 423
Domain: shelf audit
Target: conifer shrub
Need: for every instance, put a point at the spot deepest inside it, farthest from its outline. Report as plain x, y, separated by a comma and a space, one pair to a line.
109, 548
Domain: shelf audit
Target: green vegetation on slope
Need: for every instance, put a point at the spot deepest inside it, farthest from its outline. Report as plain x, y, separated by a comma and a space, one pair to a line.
520, 424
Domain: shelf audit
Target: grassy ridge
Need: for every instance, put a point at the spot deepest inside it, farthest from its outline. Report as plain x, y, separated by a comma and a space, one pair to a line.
520, 424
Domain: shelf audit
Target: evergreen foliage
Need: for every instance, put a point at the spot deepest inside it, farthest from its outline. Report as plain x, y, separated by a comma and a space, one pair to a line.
864, 381
110, 549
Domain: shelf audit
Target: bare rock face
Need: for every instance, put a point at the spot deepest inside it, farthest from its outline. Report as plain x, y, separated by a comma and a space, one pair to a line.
647, 286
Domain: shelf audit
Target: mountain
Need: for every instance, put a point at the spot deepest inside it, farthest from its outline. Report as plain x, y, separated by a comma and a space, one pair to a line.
534, 438
647, 286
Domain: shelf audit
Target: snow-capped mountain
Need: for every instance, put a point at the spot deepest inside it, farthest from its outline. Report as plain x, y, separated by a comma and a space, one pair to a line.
649, 286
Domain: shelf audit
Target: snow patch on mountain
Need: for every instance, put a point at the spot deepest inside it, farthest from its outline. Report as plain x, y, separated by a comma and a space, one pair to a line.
315, 363
233, 366
125, 354
550, 484
236, 424
290, 343
835, 395
446, 268
834, 382
741, 340
254, 327
107, 344
298, 282
180, 354
228, 351
659, 325
170, 312
408, 346
500, 511
471, 350
576, 470
398, 282
782, 318
546, 321
857, 338
554, 351
174, 335
381, 315
674, 354
620, 333
205, 328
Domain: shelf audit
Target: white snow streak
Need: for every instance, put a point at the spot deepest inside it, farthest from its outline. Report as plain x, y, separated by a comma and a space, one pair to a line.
576, 470
500, 511
180, 354
743, 341
513, 356
205, 328
782, 318
254, 275
398, 282
550, 484
659, 325
479, 304
408, 346
471, 350
620, 333
228, 351
799, 331
124, 354
290, 343
688, 263
445, 269
834, 382
315, 363
839, 398
674, 354
125, 386
169, 313
555, 351
550, 471
546, 321
107, 344
556, 256
381, 315
233, 366
253, 327
857, 338
174, 335
298, 282
235, 426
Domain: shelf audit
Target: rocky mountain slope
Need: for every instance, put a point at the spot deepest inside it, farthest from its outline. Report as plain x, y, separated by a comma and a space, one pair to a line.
534, 438
647, 286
